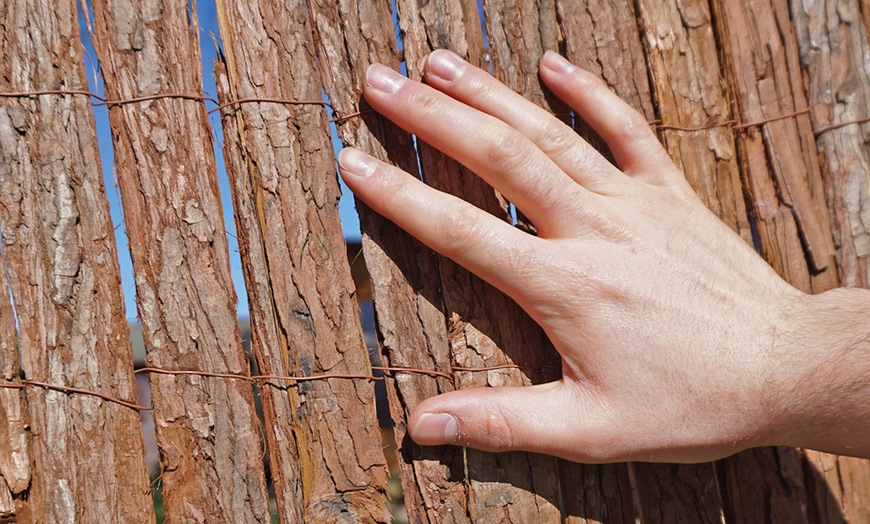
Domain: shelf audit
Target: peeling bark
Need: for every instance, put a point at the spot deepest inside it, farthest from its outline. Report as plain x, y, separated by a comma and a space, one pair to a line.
206, 427
506, 487
60, 255
15, 456
327, 461
778, 158
833, 50
689, 90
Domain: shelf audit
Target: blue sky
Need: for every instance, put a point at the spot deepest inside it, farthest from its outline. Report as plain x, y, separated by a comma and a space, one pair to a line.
208, 23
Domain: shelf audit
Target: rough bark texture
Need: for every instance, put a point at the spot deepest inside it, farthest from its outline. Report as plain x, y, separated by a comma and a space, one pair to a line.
15, 457
689, 90
350, 35
778, 158
305, 319
506, 487
833, 48
206, 427
59, 252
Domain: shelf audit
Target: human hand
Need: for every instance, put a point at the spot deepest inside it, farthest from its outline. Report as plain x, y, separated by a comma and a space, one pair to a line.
676, 337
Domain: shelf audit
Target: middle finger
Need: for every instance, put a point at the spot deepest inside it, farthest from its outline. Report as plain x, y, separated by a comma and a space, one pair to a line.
497, 152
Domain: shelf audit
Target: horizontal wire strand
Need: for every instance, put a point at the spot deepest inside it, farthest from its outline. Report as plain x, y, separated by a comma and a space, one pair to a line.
387, 370
658, 124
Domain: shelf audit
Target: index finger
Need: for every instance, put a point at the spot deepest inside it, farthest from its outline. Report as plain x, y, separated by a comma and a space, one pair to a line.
491, 248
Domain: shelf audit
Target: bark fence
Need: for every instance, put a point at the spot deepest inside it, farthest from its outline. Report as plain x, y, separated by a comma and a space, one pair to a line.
765, 104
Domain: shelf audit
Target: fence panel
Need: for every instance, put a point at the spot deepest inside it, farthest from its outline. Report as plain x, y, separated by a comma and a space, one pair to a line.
60, 256
206, 426
692, 106
747, 97
327, 461
781, 172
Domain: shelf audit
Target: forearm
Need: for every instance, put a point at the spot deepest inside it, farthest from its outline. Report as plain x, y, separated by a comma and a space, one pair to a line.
828, 407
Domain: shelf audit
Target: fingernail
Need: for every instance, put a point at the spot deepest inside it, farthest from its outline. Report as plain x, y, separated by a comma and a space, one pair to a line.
436, 428
445, 64
557, 63
383, 79
355, 162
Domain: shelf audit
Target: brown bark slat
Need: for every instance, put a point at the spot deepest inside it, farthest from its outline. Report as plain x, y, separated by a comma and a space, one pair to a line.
206, 427
782, 173
282, 169
833, 45
408, 304
15, 456
689, 89
60, 255
519, 33
600, 37
508, 487
833, 49
779, 157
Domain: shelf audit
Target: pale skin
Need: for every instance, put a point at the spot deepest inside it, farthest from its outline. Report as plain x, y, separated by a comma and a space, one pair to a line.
679, 343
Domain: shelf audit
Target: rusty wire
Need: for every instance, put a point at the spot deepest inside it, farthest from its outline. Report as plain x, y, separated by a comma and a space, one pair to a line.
388, 371
658, 124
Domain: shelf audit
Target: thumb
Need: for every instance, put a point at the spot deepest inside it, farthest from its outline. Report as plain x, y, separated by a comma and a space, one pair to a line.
546, 418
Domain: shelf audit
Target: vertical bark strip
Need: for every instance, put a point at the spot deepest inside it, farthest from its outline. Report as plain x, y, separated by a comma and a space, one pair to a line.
350, 35
601, 38
779, 159
833, 49
689, 90
505, 487
60, 255
206, 427
282, 169
781, 171
15, 456
519, 33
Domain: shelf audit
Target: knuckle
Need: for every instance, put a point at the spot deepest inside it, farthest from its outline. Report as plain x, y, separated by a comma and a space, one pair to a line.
631, 125
499, 432
423, 101
460, 230
555, 138
505, 150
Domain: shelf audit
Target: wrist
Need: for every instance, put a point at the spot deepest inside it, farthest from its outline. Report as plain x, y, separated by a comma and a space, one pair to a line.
824, 371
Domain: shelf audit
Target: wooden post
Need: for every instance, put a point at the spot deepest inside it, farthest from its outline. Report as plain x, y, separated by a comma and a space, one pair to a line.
325, 445
781, 172
60, 255
206, 427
